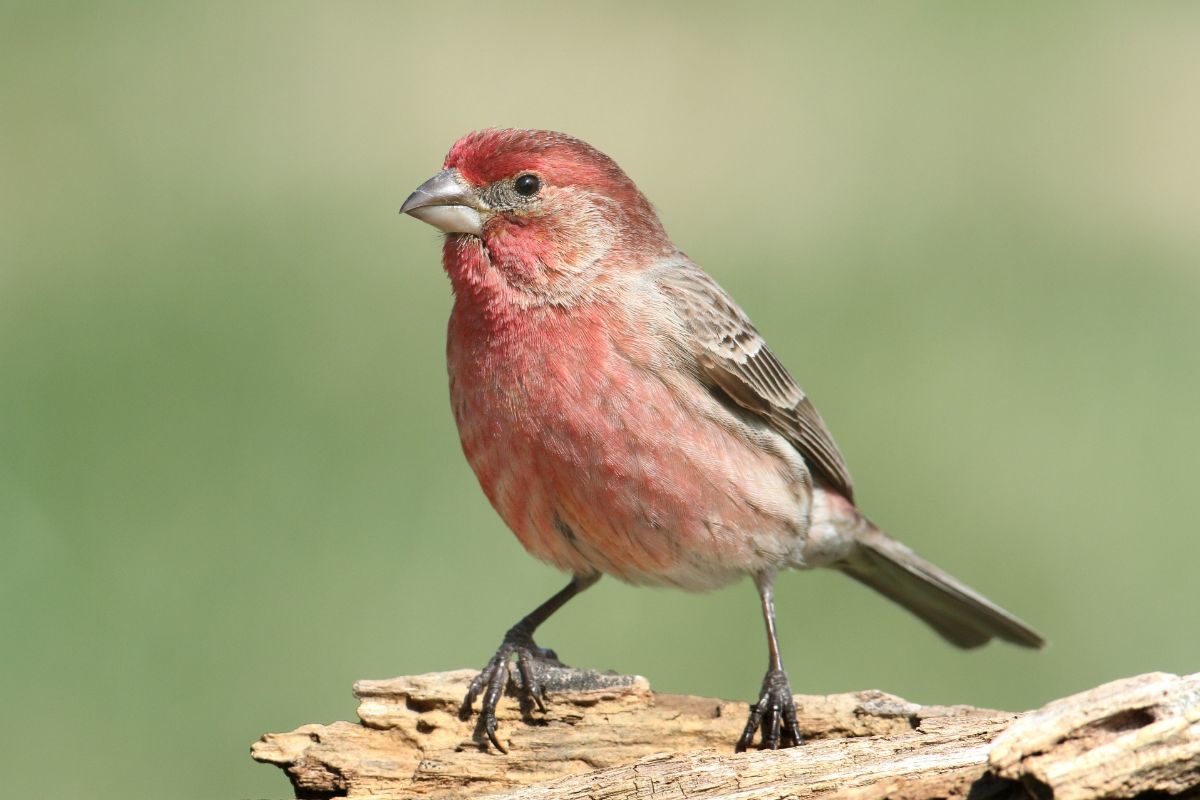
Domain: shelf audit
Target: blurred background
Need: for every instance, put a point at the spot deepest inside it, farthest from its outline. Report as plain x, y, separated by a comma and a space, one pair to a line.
230, 482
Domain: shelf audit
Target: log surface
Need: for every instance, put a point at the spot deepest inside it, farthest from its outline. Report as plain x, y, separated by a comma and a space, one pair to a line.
609, 737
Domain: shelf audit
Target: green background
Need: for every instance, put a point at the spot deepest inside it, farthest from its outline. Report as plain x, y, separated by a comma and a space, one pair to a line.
229, 479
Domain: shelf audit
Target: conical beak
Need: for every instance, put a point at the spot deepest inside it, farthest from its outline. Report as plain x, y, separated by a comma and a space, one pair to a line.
446, 202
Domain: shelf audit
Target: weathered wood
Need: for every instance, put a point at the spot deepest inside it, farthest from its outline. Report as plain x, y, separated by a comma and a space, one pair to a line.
609, 737
1124, 738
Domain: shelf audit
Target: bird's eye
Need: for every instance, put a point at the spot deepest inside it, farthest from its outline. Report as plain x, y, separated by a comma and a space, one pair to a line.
527, 185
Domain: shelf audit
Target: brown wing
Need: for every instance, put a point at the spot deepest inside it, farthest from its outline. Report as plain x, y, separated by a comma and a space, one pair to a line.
735, 358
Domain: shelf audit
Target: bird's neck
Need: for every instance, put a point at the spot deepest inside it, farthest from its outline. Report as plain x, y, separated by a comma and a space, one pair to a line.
511, 281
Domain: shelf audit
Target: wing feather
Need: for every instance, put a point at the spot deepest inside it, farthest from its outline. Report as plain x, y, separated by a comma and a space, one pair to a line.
733, 357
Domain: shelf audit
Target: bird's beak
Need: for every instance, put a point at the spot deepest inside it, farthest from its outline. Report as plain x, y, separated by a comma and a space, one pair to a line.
446, 202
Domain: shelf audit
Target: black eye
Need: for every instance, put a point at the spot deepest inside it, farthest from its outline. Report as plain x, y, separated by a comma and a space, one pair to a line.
527, 185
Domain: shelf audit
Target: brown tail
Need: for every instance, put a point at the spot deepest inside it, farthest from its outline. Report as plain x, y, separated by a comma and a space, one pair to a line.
961, 615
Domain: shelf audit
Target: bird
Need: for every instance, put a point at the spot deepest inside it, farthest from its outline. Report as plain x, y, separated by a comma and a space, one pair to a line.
624, 417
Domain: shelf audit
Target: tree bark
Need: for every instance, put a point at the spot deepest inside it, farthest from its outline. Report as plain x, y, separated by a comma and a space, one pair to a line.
609, 737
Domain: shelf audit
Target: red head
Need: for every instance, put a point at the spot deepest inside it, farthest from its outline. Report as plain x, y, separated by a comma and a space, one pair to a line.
487, 156
550, 211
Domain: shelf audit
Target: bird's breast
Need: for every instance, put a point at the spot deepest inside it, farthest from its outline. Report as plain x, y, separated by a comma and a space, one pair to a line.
601, 453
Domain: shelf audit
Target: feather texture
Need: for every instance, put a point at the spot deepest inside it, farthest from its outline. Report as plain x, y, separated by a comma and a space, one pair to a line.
733, 357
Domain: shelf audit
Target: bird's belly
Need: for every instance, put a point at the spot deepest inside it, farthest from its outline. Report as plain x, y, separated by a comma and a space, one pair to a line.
600, 465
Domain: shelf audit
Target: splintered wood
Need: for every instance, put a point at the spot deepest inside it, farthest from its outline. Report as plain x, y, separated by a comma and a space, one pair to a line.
609, 737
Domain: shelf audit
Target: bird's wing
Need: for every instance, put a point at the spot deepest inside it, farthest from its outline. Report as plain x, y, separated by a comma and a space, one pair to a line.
733, 357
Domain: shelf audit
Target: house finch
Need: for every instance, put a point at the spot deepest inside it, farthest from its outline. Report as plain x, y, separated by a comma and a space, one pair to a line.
624, 417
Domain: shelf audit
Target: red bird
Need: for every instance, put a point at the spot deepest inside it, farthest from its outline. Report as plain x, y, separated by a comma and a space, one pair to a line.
624, 417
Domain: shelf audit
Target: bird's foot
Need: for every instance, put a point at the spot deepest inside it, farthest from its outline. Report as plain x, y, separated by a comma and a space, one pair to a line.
775, 714
494, 678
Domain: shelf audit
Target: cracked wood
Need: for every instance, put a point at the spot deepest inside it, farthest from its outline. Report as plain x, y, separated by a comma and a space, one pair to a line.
609, 737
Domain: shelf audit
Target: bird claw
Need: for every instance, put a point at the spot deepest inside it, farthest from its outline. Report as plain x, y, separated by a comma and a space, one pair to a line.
495, 677
775, 714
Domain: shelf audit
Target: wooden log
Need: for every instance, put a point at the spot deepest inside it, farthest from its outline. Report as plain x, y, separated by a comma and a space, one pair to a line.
1134, 736
609, 737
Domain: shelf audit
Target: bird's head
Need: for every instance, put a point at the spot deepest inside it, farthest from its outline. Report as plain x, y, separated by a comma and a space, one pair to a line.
548, 209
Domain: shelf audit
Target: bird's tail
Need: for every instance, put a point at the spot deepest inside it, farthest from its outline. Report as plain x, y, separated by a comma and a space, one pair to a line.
960, 614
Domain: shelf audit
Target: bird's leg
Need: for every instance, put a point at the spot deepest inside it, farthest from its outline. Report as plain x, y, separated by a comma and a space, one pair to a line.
775, 711
518, 641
